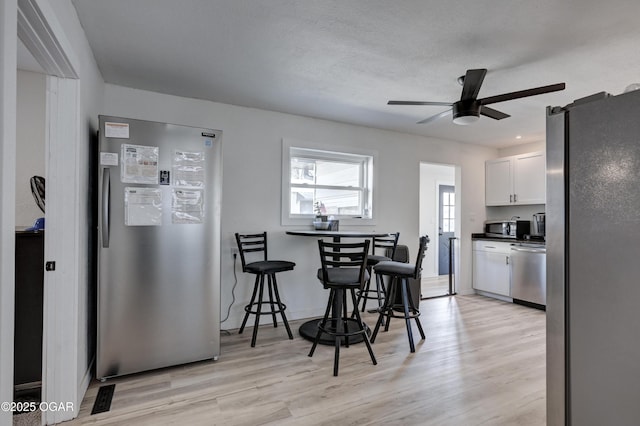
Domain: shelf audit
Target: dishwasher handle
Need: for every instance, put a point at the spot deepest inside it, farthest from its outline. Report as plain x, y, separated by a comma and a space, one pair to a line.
529, 249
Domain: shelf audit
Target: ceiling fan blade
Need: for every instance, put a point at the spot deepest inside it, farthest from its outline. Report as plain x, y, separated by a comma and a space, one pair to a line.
472, 81
493, 113
434, 117
522, 94
419, 103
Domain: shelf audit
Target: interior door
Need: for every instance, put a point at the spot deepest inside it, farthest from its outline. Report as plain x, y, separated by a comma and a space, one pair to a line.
446, 225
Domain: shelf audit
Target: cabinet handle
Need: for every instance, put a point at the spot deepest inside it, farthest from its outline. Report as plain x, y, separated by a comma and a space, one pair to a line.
507, 259
515, 198
511, 198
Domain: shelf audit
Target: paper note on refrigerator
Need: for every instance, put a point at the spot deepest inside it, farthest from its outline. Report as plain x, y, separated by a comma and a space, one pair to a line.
139, 164
188, 169
116, 130
187, 206
142, 206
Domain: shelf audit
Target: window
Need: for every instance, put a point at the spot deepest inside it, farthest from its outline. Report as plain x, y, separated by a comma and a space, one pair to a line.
448, 211
325, 182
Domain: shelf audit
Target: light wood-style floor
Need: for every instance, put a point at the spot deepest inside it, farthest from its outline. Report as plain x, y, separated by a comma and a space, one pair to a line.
434, 286
483, 363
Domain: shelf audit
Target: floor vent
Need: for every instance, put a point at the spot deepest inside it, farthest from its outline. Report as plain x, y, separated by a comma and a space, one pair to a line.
103, 399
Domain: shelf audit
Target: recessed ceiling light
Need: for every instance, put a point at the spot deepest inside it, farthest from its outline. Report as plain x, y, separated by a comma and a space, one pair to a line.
518, 137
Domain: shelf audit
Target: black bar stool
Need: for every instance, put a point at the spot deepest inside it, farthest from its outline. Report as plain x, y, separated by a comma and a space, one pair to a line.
344, 269
388, 244
257, 243
399, 274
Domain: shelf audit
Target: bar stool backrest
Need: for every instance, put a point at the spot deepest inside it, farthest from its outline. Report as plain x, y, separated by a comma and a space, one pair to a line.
388, 243
344, 255
422, 248
251, 243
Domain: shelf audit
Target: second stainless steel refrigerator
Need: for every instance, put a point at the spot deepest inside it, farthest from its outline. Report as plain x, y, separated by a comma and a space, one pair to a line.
593, 264
158, 245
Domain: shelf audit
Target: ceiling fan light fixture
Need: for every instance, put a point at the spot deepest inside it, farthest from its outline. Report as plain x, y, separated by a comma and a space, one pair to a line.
466, 112
464, 120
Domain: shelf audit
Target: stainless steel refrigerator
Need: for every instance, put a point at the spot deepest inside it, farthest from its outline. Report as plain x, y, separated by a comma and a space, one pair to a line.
158, 245
593, 261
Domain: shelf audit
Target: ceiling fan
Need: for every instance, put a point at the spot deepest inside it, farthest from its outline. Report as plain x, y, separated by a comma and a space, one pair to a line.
469, 108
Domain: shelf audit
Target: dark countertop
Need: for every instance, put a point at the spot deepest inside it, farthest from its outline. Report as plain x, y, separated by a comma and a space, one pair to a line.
506, 240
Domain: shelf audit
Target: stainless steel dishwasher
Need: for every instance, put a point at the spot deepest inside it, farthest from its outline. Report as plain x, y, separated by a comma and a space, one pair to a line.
529, 274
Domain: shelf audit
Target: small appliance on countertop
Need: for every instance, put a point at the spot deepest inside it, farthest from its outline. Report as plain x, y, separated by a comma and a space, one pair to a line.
538, 225
509, 228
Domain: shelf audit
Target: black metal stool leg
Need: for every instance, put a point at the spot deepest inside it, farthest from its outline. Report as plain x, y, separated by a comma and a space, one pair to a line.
416, 316
250, 305
393, 294
258, 312
323, 322
407, 317
364, 332
383, 317
281, 307
271, 303
364, 293
344, 317
337, 312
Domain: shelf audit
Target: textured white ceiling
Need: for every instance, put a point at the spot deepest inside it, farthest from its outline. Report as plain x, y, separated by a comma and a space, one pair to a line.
344, 59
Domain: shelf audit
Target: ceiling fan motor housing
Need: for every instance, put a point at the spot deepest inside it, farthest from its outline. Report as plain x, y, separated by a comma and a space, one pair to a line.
466, 111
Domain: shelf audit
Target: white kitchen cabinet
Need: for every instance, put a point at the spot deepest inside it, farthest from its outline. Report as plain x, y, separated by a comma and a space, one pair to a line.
516, 180
491, 270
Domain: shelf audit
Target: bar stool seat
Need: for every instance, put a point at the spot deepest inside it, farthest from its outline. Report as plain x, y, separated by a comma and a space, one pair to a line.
249, 244
399, 274
269, 266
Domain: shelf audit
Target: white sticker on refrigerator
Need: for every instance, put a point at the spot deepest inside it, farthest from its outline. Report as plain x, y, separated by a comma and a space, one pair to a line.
108, 158
116, 130
187, 206
188, 169
139, 164
142, 206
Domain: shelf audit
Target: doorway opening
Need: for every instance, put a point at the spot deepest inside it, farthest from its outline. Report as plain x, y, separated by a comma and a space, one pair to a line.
439, 213
29, 233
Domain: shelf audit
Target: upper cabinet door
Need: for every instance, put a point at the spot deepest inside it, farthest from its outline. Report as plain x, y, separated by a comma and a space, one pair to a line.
516, 180
529, 178
499, 182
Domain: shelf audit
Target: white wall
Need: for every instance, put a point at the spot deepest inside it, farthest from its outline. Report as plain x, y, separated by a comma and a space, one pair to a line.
252, 145
432, 175
30, 143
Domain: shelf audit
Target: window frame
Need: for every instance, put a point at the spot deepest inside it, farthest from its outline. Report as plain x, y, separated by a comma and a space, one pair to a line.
327, 152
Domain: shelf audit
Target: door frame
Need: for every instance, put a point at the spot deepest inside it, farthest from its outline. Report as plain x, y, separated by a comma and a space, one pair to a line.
8, 77
432, 174
43, 35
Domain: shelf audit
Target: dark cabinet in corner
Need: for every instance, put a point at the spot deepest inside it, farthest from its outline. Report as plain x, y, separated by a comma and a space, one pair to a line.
27, 368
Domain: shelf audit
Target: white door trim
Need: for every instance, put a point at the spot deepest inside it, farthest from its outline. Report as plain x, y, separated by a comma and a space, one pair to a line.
60, 370
41, 32
8, 58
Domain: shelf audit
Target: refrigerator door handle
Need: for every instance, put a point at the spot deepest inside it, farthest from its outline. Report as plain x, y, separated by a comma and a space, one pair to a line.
106, 192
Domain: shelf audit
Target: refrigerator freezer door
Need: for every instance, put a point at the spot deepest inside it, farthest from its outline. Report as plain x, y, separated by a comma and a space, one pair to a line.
602, 261
158, 279
555, 245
